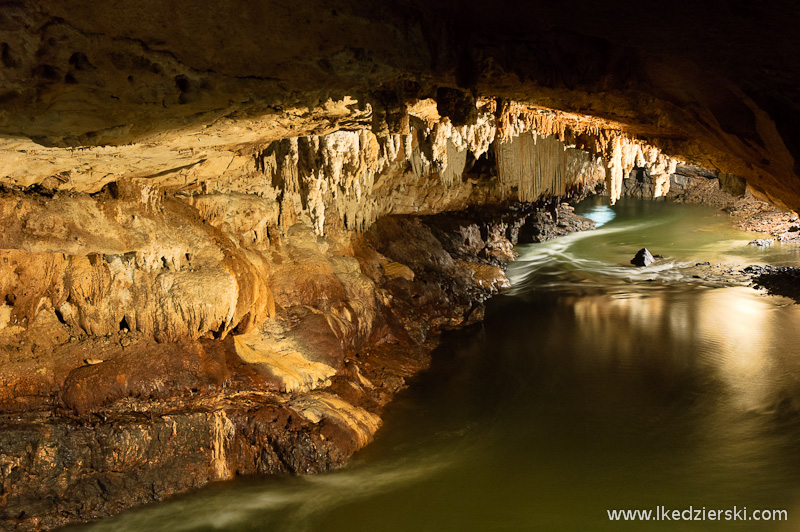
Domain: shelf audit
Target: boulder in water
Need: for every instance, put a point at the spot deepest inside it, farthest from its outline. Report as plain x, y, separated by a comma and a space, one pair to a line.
642, 258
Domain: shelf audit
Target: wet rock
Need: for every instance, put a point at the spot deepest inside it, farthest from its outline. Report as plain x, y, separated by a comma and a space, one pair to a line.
777, 280
154, 371
642, 258
762, 242
539, 227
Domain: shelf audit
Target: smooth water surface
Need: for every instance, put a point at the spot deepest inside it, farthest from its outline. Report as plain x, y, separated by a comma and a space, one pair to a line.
591, 385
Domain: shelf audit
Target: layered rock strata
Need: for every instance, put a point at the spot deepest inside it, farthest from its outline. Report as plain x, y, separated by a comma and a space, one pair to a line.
182, 80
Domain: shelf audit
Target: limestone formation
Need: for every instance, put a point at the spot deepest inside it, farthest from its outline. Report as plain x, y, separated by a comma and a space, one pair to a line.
232, 230
211, 320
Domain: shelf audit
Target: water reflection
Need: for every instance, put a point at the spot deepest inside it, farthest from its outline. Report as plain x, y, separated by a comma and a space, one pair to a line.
600, 214
728, 331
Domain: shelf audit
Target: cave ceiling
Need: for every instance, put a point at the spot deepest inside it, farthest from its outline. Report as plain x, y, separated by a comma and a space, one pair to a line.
160, 87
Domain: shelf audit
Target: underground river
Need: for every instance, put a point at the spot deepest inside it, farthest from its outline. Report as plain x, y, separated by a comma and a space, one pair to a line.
591, 386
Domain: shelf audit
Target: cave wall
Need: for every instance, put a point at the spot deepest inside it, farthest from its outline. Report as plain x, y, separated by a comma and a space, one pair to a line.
239, 227
208, 258
264, 319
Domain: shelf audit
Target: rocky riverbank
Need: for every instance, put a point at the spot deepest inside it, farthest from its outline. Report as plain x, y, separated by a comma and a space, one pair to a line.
731, 195
774, 280
139, 419
701, 186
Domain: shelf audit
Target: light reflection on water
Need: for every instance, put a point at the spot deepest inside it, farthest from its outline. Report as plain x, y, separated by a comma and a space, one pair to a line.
600, 214
592, 385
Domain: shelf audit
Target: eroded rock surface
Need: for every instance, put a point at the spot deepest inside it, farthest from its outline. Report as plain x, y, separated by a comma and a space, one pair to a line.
175, 88
231, 232
152, 342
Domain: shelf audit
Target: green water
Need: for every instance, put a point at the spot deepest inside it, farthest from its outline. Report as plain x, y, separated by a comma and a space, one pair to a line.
591, 385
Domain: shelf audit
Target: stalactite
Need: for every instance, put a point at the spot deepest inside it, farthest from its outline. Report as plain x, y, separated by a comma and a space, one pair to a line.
620, 152
530, 166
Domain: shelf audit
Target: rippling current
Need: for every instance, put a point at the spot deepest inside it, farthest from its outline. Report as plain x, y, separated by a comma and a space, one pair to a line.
592, 385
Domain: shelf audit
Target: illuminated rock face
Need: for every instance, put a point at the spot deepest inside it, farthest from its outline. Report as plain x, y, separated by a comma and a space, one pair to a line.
223, 228
212, 258
195, 86
264, 320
